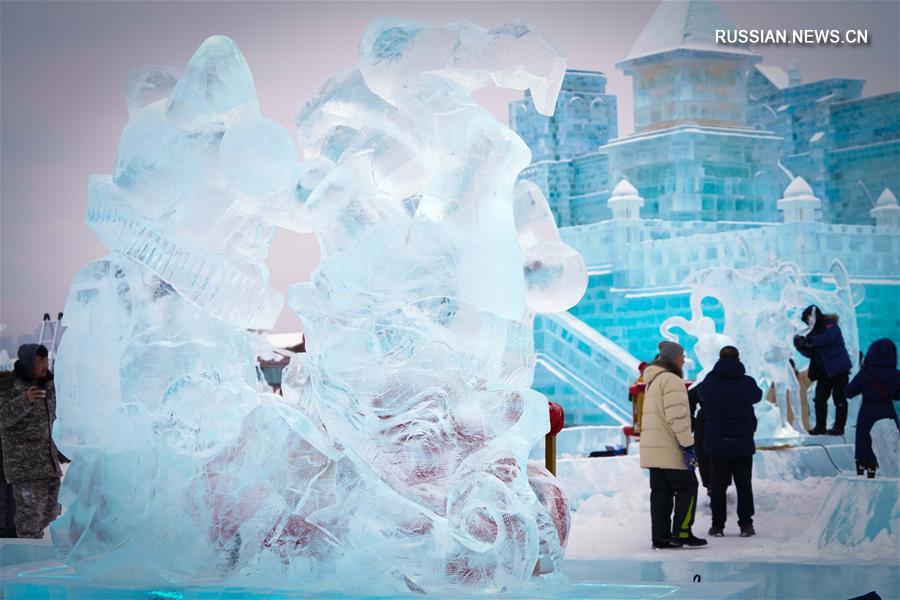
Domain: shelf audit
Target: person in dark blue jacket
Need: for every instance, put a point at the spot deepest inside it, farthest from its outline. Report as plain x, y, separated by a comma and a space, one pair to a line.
829, 367
727, 396
879, 383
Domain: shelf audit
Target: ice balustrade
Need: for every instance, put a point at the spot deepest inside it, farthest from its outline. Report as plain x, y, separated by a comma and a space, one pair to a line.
597, 371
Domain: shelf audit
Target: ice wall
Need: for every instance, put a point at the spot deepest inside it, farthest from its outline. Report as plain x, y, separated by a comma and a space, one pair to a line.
396, 460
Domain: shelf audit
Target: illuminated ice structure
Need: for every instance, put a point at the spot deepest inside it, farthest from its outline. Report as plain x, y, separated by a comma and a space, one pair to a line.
723, 148
396, 460
762, 306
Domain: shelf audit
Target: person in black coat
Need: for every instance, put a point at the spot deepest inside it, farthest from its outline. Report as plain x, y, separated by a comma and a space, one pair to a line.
829, 367
727, 396
879, 383
698, 420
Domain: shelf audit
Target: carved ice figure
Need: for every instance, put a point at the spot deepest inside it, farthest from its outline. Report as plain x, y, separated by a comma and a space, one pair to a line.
709, 341
762, 306
418, 319
156, 374
396, 459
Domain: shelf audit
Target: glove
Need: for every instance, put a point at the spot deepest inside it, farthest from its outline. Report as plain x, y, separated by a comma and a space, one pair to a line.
690, 458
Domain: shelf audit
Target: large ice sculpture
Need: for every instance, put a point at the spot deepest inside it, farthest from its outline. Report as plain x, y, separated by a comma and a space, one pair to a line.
420, 351
396, 459
762, 307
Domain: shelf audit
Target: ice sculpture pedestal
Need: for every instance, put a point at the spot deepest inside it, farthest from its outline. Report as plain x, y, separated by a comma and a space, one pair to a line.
858, 513
29, 570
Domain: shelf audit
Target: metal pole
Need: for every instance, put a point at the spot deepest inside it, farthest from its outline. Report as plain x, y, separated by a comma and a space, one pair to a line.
550, 453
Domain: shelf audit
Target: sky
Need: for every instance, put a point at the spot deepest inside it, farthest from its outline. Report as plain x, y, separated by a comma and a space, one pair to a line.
63, 66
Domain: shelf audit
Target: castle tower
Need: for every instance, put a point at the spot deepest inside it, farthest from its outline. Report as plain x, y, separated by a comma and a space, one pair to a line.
693, 155
799, 204
585, 118
680, 74
886, 212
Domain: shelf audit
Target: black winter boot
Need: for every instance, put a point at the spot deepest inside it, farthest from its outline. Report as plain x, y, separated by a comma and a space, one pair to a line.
691, 541
860, 467
870, 470
821, 419
840, 419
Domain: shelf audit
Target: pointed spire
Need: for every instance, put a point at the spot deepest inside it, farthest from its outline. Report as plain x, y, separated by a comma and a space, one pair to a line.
887, 198
690, 24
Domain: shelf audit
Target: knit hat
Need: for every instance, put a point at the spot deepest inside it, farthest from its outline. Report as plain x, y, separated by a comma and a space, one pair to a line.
27, 352
25, 363
669, 351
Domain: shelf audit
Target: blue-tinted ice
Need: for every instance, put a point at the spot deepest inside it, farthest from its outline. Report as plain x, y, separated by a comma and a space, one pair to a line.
396, 459
762, 306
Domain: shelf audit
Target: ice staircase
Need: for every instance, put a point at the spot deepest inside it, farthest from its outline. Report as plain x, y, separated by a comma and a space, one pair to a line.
582, 370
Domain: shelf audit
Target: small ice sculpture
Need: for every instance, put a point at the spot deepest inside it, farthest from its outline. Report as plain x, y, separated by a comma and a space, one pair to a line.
709, 341
396, 459
886, 445
762, 306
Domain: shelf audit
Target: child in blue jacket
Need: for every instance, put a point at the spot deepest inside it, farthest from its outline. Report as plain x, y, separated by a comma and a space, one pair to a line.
879, 383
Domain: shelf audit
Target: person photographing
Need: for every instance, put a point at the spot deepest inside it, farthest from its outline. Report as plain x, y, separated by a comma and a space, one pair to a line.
30, 457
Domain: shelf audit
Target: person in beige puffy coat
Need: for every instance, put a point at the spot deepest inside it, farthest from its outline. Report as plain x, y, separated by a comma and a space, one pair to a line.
667, 449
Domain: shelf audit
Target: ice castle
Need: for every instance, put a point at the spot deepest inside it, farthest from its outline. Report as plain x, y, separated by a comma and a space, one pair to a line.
731, 163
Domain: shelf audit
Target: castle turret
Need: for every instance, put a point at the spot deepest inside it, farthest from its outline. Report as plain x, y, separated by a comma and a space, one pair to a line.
692, 155
682, 74
625, 202
886, 212
799, 204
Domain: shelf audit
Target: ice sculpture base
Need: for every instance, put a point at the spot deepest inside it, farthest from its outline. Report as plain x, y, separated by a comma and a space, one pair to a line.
859, 514
29, 570
826, 580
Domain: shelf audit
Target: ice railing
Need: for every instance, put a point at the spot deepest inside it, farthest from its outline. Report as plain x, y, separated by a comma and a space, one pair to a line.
597, 368
864, 250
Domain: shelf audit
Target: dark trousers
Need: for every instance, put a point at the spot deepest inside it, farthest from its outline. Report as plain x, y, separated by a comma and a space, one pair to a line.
37, 505
672, 488
7, 511
699, 448
868, 416
722, 471
836, 388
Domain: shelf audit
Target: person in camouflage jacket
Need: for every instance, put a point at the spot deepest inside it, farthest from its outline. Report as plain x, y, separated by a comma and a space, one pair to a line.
30, 457
7, 502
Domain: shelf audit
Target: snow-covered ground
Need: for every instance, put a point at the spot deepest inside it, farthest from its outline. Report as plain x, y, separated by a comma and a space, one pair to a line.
611, 518
618, 525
